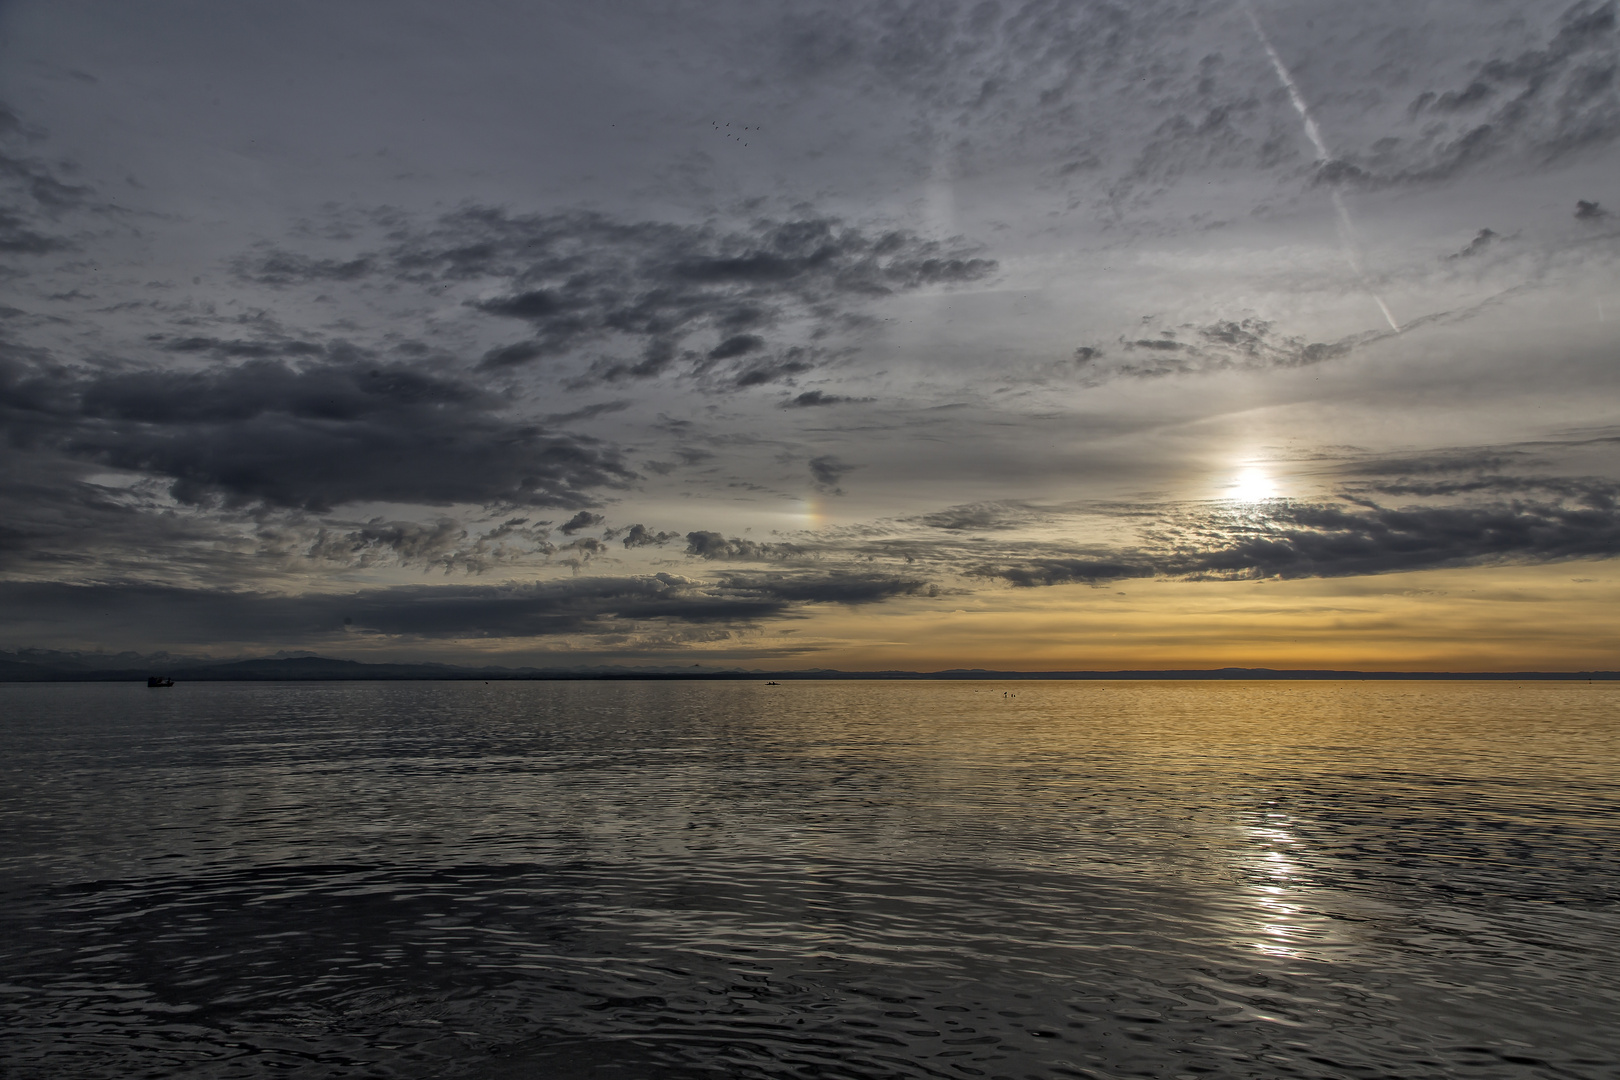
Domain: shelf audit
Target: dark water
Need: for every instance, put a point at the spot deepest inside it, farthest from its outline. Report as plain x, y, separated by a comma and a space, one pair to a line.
813, 880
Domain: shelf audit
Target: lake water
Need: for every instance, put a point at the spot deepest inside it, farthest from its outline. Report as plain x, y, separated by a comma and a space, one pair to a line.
848, 879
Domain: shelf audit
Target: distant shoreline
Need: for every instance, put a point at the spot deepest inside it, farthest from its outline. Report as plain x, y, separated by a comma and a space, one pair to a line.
322, 669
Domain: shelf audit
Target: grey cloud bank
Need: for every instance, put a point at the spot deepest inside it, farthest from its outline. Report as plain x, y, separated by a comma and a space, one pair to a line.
311, 436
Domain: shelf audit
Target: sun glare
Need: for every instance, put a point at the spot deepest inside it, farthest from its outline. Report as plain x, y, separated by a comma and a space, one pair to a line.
1253, 485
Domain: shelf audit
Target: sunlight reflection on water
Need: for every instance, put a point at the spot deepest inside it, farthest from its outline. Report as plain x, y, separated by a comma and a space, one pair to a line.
834, 879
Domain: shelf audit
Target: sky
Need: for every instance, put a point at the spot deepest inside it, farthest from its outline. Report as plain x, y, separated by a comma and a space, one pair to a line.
1032, 334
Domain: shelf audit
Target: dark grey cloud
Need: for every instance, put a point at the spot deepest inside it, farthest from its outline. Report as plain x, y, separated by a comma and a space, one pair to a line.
1248, 344
1482, 240
313, 435
245, 348
1334, 541
1477, 460
1019, 83
1191, 92
653, 296
56, 521
640, 536
1537, 105
812, 398
1251, 344
828, 470
585, 547
1586, 210
276, 267
409, 541
68, 519
1584, 491
1066, 570
582, 520
977, 517
588, 412
792, 361
737, 345
34, 194
536, 610
1299, 540
440, 543
519, 352
847, 587
705, 544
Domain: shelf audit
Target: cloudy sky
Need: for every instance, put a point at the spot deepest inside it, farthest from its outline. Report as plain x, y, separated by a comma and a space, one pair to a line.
1026, 334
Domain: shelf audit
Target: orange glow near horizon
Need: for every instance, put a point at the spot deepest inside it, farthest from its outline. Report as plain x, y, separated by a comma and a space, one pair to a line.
1554, 617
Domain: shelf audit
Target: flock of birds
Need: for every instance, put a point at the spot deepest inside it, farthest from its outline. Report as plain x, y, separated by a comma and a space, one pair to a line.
725, 130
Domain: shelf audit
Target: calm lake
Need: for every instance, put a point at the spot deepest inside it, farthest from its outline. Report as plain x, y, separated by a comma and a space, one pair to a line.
842, 879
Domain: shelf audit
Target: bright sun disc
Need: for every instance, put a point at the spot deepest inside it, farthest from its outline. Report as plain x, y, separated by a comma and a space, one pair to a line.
1253, 485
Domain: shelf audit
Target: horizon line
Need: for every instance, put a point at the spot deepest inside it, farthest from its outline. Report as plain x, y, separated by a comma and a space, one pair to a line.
327, 669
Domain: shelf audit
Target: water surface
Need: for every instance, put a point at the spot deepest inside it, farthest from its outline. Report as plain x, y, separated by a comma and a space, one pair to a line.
684, 880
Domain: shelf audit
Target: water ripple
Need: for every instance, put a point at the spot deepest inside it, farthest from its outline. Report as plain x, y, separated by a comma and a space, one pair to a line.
836, 880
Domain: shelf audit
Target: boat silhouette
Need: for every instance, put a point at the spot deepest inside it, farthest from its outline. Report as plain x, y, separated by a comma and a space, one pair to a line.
159, 680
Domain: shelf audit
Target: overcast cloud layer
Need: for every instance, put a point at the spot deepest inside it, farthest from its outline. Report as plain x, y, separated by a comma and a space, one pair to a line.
670, 332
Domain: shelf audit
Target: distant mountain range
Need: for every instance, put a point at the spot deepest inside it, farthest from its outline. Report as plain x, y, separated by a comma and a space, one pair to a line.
40, 665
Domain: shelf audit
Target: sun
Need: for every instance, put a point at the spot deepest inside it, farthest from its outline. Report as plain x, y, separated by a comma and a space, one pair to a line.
1252, 485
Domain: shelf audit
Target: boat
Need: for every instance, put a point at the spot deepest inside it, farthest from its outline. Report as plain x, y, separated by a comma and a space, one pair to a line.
159, 680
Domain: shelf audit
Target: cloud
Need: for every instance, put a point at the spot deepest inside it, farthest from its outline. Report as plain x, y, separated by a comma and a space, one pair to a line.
585, 546
1335, 541
606, 606
56, 520
33, 194
737, 345
1022, 82
793, 361
1470, 460
712, 545
276, 267
813, 398
519, 352
827, 471
588, 412
582, 520
831, 588
1481, 241
1189, 93
442, 543
641, 536
242, 348
1225, 345
648, 297
1601, 494
311, 435
977, 517
409, 541
1538, 105
1305, 539
1066, 571
1589, 211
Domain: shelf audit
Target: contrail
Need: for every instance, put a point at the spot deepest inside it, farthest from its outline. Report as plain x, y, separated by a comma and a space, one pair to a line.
1347, 229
